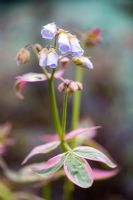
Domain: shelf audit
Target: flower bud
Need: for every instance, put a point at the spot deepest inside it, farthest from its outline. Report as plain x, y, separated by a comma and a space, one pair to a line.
83, 62
23, 56
70, 86
93, 37
64, 61
37, 47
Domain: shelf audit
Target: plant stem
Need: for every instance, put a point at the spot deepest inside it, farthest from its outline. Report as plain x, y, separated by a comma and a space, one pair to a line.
64, 116
68, 189
76, 103
54, 105
47, 191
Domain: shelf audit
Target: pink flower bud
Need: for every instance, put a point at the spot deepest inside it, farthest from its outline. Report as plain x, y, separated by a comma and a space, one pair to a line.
23, 56
70, 86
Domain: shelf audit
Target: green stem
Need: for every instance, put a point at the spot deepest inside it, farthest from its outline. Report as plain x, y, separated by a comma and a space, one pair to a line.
54, 105
69, 187
76, 102
68, 190
47, 191
64, 116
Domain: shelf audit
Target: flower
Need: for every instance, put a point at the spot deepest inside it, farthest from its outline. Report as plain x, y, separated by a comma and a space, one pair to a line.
48, 58
63, 43
23, 56
68, 43
49, 31
75, 46
83, 62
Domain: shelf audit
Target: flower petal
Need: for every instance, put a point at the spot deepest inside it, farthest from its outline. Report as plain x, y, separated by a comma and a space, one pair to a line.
93, 154
51, 166
43, 57
99, 174
78, 171
78, 131
42, 149
49, 31
52, 59
21, 81
63, 43
75, 47
83, 61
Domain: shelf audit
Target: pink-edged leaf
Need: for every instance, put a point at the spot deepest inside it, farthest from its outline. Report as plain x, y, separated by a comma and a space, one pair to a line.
94, 144
93, 154
42, 149
21, 81
49, 137
99, 174
51, 166
79, 131
78, 171
86, 122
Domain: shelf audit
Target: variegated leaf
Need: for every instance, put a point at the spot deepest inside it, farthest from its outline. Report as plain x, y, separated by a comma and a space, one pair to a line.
79, 131
51, 166
100, 174
78, 171
42, 149
93, 154
21, 81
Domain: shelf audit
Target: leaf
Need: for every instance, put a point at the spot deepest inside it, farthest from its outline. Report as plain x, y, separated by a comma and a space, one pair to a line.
27, 196
21, 81
103, 174
45, 148
51, 166
79, 131
78, 171
49, 137
5, 193
24, 175
93, 154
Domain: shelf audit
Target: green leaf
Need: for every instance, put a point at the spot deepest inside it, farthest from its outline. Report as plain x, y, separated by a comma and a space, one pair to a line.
93, 154
48, 168
78, 171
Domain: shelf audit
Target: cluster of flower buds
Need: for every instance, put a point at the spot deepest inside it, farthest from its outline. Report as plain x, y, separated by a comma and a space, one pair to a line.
66, 45
70, 86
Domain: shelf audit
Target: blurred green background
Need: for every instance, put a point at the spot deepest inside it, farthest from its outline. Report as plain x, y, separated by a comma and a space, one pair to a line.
108, 89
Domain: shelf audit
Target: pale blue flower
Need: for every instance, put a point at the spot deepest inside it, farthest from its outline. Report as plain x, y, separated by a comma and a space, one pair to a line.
43, 57
87, 63
63, 43
49, 31
52, 59
48, 58
76, 49
83, 62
